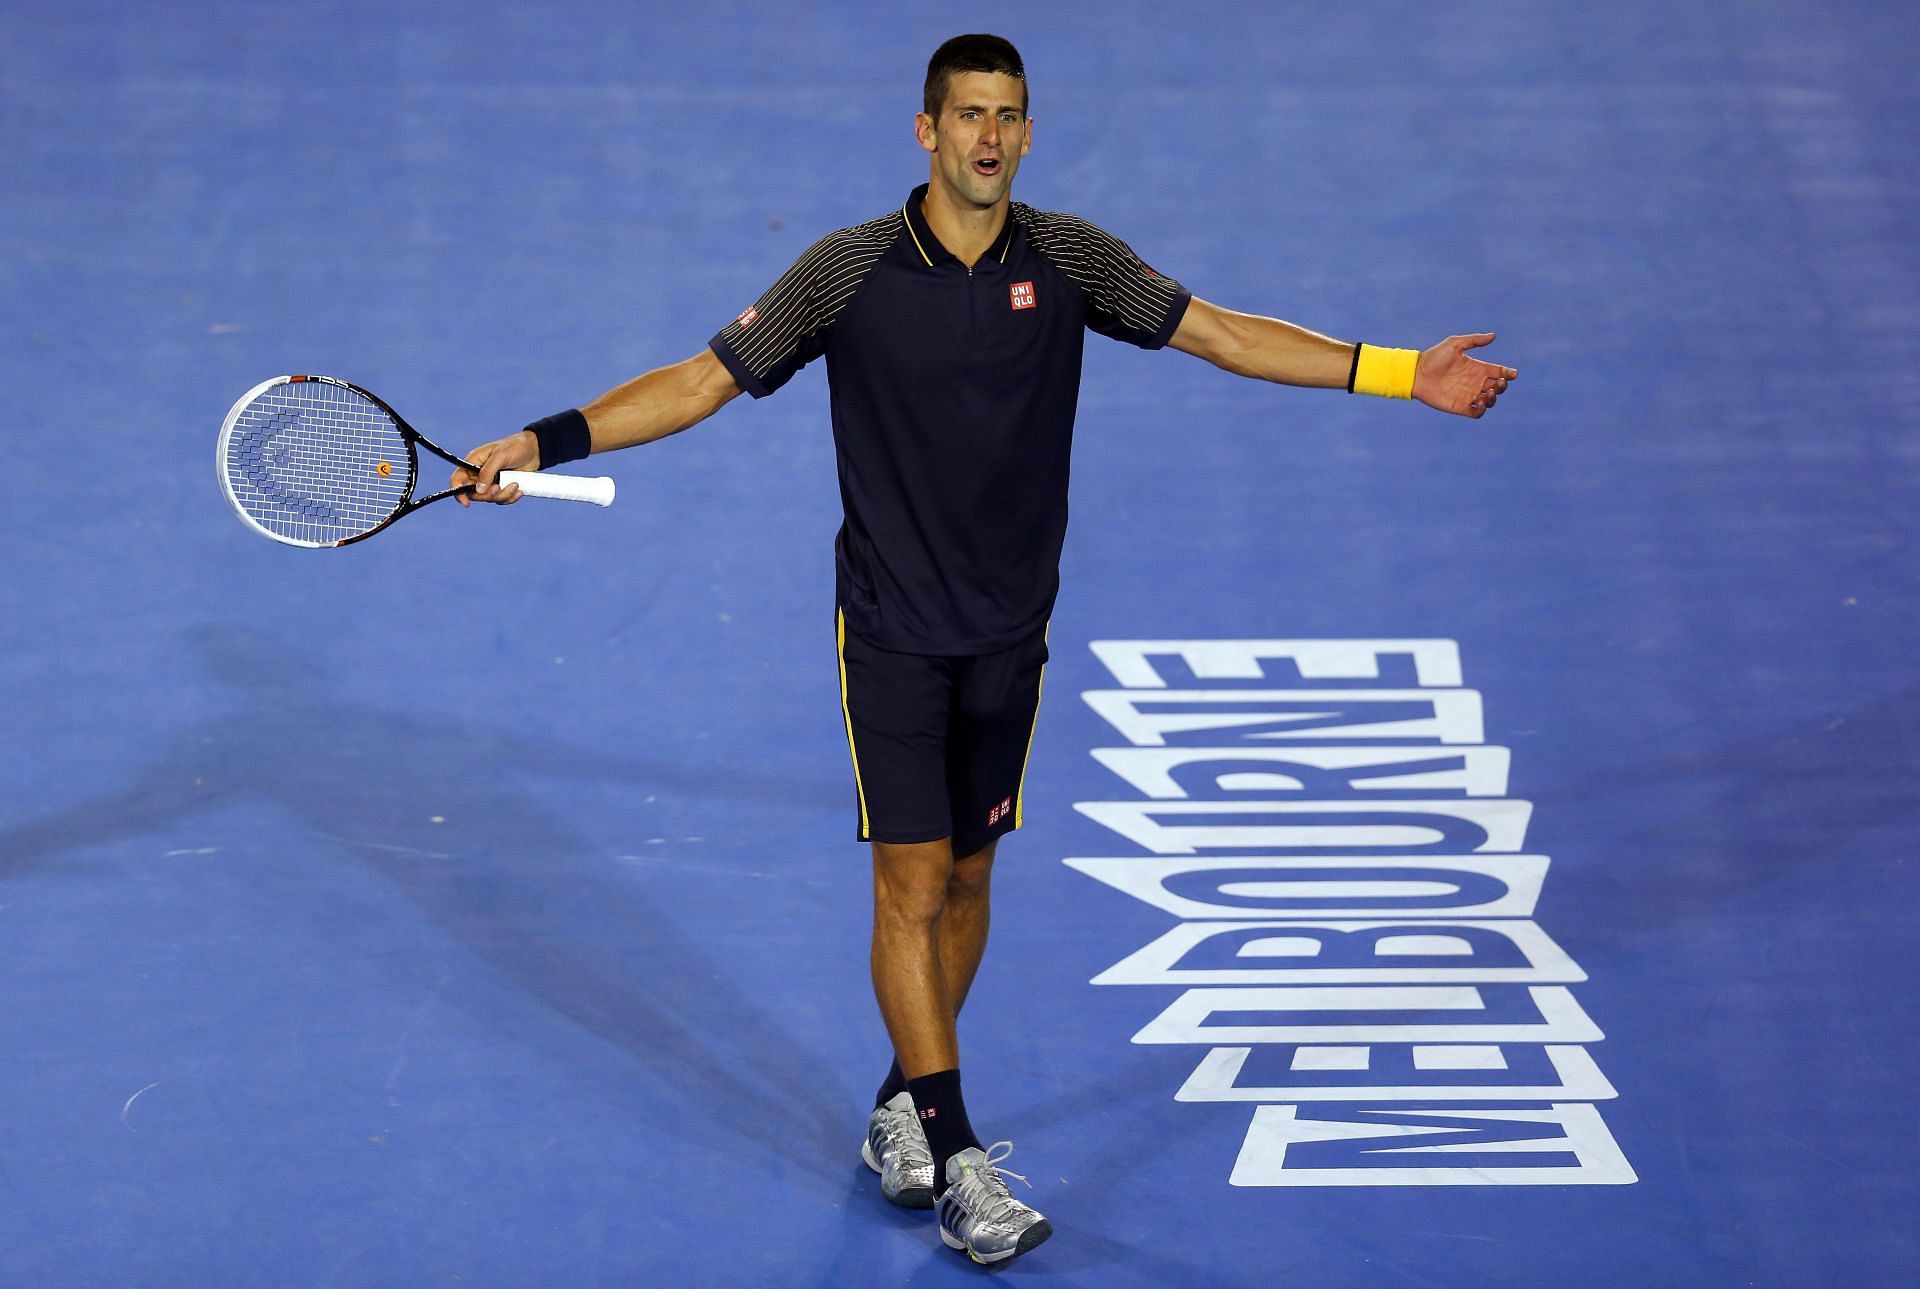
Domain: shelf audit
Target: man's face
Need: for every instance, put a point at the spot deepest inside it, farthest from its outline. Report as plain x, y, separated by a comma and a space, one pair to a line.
980, 137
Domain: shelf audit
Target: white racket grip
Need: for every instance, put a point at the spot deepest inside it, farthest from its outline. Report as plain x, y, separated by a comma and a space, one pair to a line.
561, 487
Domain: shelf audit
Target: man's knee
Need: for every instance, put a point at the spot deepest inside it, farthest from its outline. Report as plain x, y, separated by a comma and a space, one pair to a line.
910, 881
972, 874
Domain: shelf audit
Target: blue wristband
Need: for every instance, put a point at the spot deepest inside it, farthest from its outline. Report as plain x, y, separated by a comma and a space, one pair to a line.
562, 437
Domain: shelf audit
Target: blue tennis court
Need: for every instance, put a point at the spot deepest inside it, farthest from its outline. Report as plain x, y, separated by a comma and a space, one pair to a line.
1455, 853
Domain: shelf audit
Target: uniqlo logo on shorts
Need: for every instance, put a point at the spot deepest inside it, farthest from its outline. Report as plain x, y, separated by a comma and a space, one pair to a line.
1000, 811
1022, 293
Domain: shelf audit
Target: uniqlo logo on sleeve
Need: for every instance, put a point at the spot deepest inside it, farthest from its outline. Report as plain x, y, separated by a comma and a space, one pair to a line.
1022, 293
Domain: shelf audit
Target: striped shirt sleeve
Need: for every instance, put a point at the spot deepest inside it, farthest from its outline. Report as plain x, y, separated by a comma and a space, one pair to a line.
1125, 298
788, 327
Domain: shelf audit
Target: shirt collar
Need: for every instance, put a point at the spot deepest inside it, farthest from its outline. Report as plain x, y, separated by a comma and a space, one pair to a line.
928, 247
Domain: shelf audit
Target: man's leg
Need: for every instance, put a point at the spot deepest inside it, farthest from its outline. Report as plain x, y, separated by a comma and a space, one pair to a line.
911, 964
978, 1215
910, 971
961, 937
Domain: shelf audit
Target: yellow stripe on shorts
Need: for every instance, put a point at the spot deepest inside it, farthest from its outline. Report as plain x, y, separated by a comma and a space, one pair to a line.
1020, 793
840, 626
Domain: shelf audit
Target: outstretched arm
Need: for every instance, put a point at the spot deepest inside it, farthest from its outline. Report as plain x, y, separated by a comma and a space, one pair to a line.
661, 402
1269, 349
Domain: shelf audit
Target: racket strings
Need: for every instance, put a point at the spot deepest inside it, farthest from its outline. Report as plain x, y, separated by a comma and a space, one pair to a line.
317, 463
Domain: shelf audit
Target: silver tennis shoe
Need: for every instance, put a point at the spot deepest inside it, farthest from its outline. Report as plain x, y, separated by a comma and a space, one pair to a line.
979, 1215
896, 1148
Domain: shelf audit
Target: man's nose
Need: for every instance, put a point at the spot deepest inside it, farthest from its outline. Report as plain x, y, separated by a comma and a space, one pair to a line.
991, 134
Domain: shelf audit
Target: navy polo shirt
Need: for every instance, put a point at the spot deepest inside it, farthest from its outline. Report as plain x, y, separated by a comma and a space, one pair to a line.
953, 393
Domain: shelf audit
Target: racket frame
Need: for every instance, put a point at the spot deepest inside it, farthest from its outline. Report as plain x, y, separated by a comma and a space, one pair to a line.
414, 440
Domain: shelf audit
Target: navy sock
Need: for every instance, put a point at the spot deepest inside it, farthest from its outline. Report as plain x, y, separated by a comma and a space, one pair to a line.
896, 1084
943, 1116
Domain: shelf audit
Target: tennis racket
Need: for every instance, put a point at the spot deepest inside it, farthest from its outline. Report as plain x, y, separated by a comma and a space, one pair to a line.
315, 461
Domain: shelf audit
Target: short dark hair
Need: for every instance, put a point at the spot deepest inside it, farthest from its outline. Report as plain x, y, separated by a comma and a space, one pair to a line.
975, 53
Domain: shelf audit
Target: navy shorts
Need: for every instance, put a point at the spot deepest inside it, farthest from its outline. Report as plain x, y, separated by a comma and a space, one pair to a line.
939, 744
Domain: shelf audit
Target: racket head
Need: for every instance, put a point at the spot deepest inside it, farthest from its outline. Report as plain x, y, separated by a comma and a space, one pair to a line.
314, 461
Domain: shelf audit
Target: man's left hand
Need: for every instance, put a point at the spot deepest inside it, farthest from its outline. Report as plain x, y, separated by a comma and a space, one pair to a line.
1447, 379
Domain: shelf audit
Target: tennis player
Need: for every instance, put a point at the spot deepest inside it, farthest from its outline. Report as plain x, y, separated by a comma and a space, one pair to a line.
952, 329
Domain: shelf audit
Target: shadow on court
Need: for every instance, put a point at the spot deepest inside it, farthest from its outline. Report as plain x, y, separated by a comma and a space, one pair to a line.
503, 875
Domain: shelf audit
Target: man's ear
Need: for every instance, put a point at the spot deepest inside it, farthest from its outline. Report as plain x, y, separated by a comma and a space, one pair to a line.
924, 132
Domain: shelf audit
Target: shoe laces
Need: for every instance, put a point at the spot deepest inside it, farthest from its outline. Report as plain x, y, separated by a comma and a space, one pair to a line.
999, 1200
899, 1125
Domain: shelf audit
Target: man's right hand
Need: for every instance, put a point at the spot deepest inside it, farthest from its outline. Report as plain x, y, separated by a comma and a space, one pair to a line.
515, 452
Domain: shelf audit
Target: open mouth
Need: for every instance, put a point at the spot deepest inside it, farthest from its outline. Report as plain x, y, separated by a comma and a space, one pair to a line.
987, 166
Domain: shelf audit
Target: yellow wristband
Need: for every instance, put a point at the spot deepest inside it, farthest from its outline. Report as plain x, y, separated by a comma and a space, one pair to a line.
1385, 373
